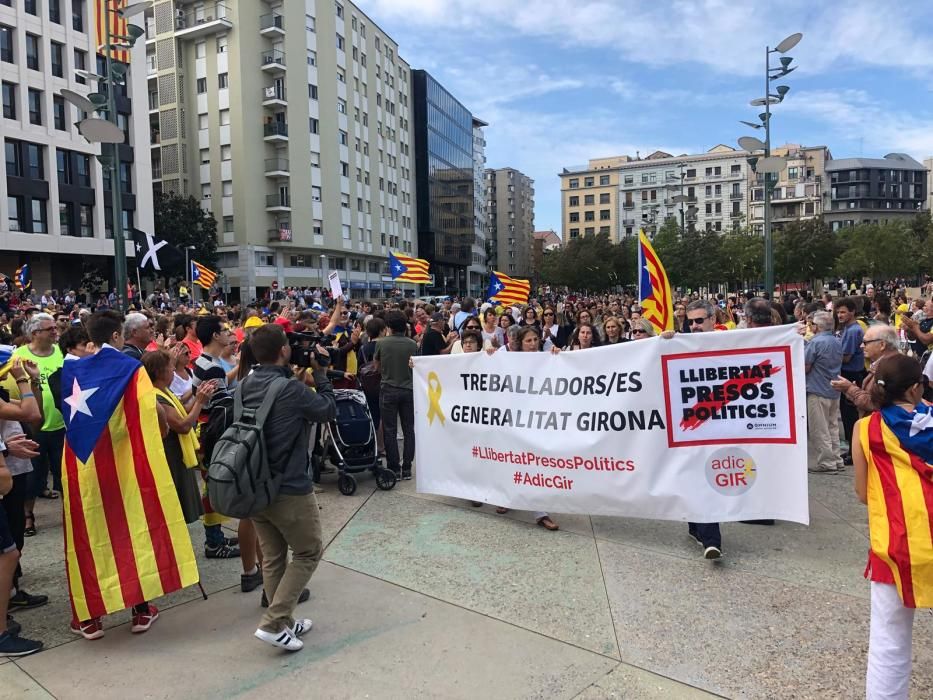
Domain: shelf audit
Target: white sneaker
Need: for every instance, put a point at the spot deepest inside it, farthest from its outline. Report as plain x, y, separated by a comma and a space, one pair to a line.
301, 626
285, 639
712, 553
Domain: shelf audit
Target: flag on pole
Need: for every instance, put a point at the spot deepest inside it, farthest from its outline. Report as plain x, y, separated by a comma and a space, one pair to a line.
103, 13
125, 536
23, 277
202, 276
407, 269
155, 254
654, 288
507, 290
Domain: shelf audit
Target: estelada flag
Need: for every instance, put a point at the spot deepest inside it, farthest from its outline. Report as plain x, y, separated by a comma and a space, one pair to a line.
654, 288
125, 537
202, 276
900, 499
405, 268
104, 12
507, 290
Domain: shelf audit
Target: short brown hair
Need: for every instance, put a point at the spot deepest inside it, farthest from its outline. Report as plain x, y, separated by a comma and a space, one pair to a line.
156, 363
267, 342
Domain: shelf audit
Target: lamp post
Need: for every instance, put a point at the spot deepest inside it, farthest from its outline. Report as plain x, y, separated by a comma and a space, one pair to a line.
106, 131
769, 165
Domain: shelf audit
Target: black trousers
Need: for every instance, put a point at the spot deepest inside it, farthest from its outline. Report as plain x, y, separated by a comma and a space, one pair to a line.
707, 533
847, 409
398, 404
16, 516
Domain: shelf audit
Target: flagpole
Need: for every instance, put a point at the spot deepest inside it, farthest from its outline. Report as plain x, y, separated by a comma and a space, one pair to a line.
139, 285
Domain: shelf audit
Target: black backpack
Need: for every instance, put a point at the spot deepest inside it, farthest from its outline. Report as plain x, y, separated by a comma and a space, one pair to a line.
240, 482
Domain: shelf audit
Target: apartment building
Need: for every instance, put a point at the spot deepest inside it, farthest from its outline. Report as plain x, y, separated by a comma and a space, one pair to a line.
511, 219
290, 122
875, 190
477, 272
620, 195
801, 190
55, 198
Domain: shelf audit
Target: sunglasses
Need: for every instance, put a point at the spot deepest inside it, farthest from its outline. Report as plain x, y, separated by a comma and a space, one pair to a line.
640, 331
697, 321
548, 313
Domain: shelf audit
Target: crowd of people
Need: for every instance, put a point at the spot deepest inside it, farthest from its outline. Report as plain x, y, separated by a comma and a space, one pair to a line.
866, 355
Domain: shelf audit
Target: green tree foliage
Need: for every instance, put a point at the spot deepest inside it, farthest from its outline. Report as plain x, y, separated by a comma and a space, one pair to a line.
182, 222
742, 258
591, 263
879, 251
804, 251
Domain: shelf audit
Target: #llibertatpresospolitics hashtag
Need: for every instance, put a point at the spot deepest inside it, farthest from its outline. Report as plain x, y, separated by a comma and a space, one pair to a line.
532, 459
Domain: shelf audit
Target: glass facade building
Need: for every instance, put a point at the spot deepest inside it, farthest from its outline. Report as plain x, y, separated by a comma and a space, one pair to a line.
443, 130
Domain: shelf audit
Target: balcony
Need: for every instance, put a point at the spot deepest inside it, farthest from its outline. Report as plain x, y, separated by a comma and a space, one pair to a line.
735, 214
275, 131
278, 202
628, 222
736, 196
691, 199
272, 24
279, 235
273, 61
713, 176
212, 18
628, 205
277, 167
274, 96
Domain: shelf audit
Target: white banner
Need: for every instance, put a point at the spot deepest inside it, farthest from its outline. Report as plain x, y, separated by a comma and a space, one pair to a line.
706, 427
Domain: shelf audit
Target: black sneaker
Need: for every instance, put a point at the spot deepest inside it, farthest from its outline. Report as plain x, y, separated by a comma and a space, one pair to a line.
231, 541
305, 594
23, 601
221, 551
17, 646
712, 553
406, 474
250, 582
12, 626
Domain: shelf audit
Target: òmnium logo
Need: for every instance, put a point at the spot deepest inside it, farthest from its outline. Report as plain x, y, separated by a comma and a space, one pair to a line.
761, 426
731, 471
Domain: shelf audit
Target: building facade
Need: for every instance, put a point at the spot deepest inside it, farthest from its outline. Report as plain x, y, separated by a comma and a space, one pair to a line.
542, 242
875, 190
620, 195
801, 191
55, 197
290, 122
928, 164
444, 182
511, 220
477, 271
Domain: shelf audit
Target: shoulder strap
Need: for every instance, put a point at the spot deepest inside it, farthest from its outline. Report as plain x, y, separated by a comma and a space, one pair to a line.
275, 388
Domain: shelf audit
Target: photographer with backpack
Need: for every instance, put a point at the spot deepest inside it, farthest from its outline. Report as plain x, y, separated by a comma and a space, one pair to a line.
261, 469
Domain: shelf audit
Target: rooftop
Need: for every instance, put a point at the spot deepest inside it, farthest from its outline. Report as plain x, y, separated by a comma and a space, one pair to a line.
892, 161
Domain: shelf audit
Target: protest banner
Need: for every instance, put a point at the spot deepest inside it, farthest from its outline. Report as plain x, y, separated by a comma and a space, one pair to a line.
706, 427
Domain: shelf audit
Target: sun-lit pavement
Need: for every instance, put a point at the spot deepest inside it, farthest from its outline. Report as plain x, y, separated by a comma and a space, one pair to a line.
421, 596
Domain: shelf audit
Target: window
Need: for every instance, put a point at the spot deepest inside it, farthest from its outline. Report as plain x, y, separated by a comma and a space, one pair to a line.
86, 220
604, 215
226, 152
227, 188
222, 80
343, 138
205, 154
629, 179
202, 121
32, 51
35, 106
604, 198
574, 217
736, 169
691, 172
77, 15
222, 44
346, 232
588, 231
6, 43
340, 15
345, 169
83, 168
202, 86
341, 105
55, 11
14, 207
315, 193
205, 191
310, 24
574, 183
313, 125
224, 117
14, 167
341, 75
312, 58
589, 216
65, 216
58, 65
8, 91
603, 179
589, 199
588, 181
58, 113
200, 50
30, 7
574, 201
80, 64
40, 222
126, 177
604, 230
340, 43
312, 92
574, 232
228, 224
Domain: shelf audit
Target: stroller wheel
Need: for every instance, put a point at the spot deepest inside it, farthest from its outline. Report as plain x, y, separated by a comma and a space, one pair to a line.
346, 484
385, 479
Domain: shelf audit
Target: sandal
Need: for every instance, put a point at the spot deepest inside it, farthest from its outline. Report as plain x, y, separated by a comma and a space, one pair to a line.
502, 511
48, 494
548, 524
30, 529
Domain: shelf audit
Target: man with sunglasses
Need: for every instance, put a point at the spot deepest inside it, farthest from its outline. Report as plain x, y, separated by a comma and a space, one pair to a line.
879, 342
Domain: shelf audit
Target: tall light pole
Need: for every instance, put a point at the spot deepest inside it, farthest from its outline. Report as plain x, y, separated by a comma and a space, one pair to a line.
768, 165
106, 131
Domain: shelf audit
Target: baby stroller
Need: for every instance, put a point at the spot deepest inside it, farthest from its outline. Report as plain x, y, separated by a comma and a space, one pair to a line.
349, 442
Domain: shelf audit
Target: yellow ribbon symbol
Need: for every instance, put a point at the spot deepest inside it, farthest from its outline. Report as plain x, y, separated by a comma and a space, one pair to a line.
434, 396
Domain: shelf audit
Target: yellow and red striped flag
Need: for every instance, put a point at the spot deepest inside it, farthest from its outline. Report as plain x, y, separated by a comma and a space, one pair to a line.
125, 536
104, 11
202, 276
405, 268
507, 290
654, 288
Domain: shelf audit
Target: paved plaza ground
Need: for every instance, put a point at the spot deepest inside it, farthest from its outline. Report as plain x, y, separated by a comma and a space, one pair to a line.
420, 596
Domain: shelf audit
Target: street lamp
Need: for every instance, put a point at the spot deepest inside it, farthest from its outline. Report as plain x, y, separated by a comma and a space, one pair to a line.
106, 131
768, 165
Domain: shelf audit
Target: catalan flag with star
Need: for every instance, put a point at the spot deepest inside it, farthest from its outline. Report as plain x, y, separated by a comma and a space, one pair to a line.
898, 446
507, 290
202, 276
126, 541
404, 268
654, 288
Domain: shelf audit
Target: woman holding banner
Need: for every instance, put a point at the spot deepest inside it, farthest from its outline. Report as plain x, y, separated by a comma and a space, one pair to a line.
892, 453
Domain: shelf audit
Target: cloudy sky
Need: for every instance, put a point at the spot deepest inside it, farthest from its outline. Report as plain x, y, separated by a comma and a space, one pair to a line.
562, 81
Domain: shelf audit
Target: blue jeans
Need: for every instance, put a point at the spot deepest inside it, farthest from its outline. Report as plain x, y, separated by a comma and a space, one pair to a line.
51, 446
707, 533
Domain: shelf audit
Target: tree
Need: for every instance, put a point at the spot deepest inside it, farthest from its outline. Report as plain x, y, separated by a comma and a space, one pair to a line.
182, 222
878, 251
804, 251
742, 258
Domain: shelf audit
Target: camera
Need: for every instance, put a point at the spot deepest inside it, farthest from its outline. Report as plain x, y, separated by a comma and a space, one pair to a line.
304, 349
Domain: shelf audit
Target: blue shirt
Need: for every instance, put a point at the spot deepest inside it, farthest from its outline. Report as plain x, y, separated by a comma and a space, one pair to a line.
851, 338
824, 356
